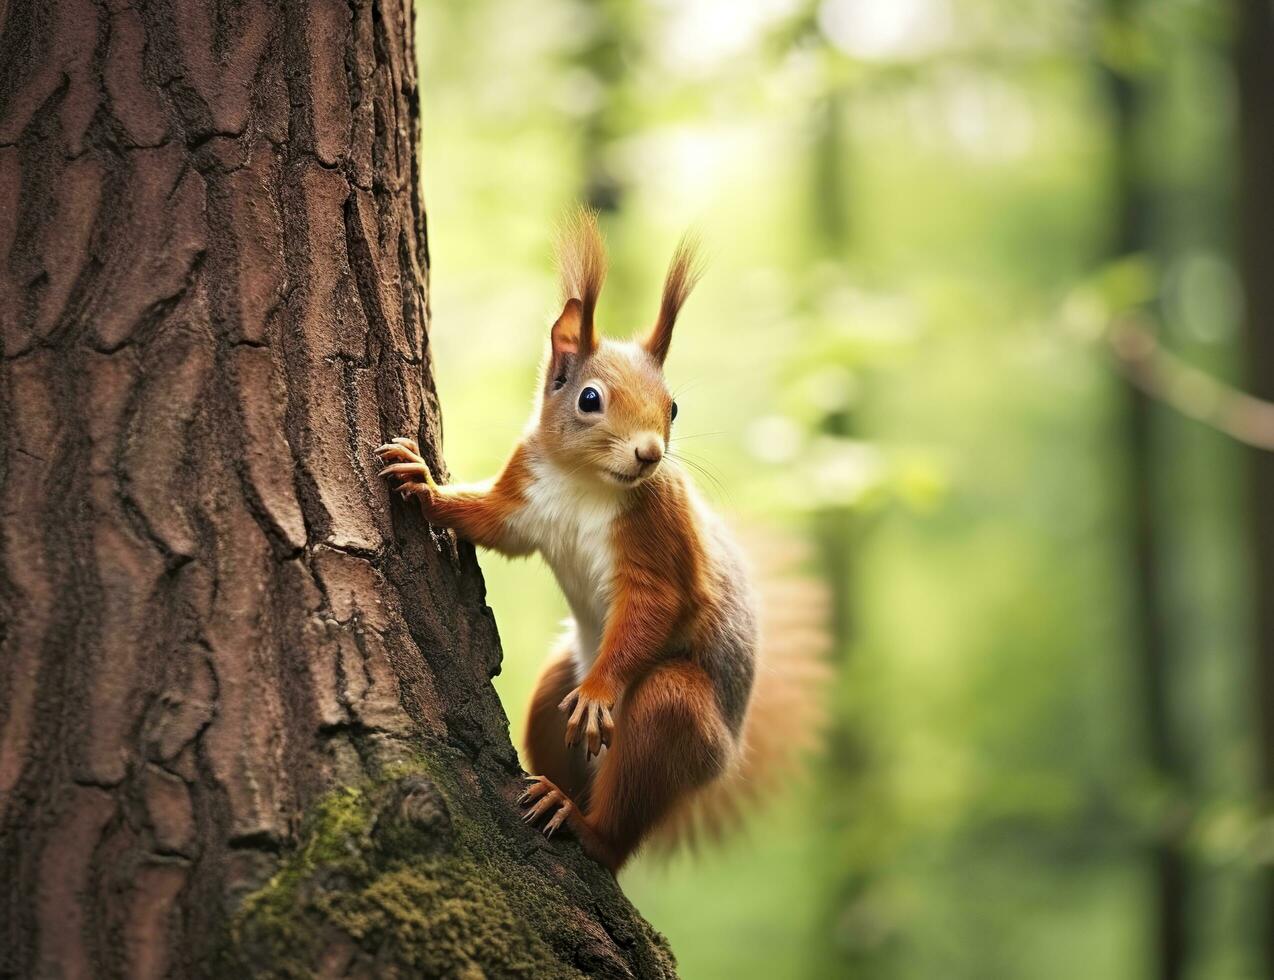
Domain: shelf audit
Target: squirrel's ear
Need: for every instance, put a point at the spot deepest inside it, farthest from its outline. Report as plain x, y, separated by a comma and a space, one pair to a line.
581, 262
565, 335
683, 272
565, 338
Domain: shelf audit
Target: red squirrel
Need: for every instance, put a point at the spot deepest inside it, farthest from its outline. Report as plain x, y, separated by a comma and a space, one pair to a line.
645, 702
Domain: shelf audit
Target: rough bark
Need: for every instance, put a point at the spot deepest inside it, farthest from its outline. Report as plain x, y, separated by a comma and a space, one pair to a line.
1254, 31
246, 720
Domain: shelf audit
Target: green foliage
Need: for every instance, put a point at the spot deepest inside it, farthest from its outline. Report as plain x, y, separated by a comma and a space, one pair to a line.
899, 353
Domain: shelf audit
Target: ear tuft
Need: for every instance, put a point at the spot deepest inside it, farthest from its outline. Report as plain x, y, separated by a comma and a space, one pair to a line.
581, 262
684, 271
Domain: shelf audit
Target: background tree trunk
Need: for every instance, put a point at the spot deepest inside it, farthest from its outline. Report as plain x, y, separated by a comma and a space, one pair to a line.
1132, 235
1255, 40
245, 712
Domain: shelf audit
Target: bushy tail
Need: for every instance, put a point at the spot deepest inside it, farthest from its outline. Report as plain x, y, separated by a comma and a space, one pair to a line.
786, 716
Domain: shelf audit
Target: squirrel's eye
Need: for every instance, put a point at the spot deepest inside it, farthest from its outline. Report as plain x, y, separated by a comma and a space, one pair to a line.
590, 400
674, 412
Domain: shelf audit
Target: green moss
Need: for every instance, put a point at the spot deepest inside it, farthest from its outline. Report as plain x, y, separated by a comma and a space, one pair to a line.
341, 821
444, 919
273, 922
379, 864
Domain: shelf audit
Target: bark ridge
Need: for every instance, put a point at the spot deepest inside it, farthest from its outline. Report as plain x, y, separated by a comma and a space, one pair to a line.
246, 718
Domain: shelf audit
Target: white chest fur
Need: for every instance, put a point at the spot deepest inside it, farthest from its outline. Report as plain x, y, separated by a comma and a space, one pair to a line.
570, 524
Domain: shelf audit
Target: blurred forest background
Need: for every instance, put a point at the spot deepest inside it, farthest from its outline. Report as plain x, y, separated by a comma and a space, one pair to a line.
932, 225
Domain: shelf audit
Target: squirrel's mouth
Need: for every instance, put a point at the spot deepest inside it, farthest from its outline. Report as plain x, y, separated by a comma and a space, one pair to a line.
623, 479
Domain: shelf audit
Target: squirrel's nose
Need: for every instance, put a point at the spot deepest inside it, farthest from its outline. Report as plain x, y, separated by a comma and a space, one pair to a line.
649, 452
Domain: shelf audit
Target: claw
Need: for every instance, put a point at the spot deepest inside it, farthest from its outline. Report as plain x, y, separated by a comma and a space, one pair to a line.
573, 726
401, 468
539, 789
414, 468
608, 726
544, 797
401, 449
590, 720
558, 819
390, 451
543, 806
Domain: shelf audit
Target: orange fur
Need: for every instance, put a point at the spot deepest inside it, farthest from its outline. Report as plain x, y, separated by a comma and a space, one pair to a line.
669, 741
545, 736
656, 677
481, 515
657, 585
786, 714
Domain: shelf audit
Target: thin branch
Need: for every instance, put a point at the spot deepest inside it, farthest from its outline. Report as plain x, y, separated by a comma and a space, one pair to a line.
1192, 392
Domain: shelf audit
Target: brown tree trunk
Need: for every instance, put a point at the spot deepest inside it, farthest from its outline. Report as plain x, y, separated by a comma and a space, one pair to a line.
246, 723
1149, 615
1255, 69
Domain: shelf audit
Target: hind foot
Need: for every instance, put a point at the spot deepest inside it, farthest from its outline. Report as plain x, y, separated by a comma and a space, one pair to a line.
542, 798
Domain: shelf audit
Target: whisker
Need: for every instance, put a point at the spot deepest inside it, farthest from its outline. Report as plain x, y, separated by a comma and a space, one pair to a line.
583, 463
714, 485
685, 386
698, 464
706, 472
590, 458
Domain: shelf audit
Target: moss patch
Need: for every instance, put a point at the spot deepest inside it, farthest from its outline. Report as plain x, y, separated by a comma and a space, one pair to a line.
444, 920
380, 874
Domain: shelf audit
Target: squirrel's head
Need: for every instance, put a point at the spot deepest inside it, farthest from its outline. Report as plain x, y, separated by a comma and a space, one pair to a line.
605, 409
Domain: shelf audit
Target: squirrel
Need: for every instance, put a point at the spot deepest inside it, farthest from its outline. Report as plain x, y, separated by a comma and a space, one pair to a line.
650, 714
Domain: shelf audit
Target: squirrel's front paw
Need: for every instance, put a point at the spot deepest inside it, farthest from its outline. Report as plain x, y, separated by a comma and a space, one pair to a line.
589, 708
411, 465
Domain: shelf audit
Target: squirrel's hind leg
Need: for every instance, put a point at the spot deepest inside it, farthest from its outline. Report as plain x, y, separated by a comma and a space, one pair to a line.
669, 740
547, 753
